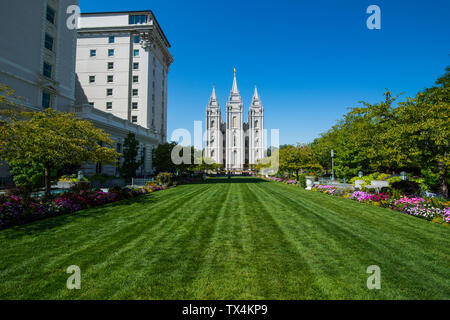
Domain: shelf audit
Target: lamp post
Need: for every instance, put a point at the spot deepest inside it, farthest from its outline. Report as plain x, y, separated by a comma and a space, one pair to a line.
403, 176
332, 164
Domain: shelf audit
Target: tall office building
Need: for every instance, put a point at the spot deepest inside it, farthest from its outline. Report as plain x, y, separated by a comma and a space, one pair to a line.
122, 64
126, 53
37, 52
37, 56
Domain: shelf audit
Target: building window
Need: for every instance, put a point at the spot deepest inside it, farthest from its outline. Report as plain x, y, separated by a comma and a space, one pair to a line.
234, 141
111, 39
110, 79
118, 147
134, 119
135, 92
109, 105
110, 65
135, 79
136, 52
46, 100
91, 79
47, 70
137, 19
91, 104
134, 105
48, 42
256, 123
110, 52
212, 153
137, 39
135, 65
50, 15
93, 53
109, 92
212, 123
234, 122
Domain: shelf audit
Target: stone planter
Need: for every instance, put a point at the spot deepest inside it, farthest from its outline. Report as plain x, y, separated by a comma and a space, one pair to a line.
309, 182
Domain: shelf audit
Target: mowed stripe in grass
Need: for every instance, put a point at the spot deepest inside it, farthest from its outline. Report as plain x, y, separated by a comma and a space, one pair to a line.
239, 239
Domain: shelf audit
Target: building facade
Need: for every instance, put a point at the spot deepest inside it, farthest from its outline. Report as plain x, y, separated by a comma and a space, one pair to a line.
37, 56
37, 53
122, 65
38, 60
236, 144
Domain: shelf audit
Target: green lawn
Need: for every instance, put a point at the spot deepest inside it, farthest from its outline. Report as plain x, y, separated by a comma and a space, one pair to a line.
244, 239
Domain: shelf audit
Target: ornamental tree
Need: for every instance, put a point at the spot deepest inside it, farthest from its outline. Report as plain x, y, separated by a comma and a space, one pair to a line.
297, 159
130, 157
422, 130
52, 139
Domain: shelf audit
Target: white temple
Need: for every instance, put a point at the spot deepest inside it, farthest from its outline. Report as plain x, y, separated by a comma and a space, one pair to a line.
236, 144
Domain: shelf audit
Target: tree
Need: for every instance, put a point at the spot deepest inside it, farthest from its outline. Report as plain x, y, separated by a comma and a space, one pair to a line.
299, 158
52, 139
130, 154
29, 176
162, 158
360, 140
421, 133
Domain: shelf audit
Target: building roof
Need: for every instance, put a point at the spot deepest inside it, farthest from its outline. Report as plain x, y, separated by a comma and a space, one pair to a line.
129, 12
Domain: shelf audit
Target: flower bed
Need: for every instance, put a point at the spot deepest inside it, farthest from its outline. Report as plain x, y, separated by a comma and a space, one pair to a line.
16, 210
284, 180
429, 209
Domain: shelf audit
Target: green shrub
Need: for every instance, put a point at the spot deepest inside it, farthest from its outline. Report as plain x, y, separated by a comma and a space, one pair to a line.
383, 176
406, 186
394, 179
27, 176
102, 178
164, 178
80, 186
302, 180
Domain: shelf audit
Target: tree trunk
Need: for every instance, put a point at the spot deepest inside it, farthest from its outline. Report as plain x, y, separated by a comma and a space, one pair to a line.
47, 179
444, 184
443, 179
298, 177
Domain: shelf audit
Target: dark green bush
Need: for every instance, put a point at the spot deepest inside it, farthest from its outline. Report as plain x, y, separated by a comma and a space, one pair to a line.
302, 180
80, 186
164, 178
406, 187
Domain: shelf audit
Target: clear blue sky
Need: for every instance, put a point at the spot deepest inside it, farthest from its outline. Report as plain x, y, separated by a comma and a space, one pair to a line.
311, 60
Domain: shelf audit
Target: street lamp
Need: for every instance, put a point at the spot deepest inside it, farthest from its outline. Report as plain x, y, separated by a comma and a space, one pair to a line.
332, 164
403, 176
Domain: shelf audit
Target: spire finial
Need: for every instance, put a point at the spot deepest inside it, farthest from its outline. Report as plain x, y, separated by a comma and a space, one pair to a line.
213, 95
255, 95
234, 89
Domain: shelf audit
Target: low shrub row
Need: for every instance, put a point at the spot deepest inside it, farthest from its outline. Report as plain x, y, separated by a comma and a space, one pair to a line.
431, 209
17, 210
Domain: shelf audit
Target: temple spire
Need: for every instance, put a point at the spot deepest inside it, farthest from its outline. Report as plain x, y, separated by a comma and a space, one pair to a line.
255, 95
213, 95
234, 88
